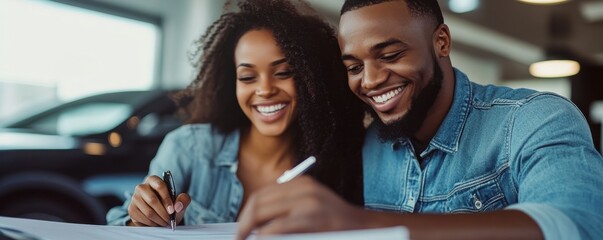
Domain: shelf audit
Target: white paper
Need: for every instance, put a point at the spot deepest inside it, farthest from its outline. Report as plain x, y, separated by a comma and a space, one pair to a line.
47, 230
392, 233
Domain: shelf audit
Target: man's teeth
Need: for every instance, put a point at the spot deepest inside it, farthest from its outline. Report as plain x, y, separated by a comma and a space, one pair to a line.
387, 96
270, 110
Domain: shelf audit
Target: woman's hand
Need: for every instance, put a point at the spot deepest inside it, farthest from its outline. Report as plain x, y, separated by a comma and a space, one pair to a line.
152, 205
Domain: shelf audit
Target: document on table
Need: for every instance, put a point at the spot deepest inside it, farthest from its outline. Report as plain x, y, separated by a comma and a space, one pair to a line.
27, 229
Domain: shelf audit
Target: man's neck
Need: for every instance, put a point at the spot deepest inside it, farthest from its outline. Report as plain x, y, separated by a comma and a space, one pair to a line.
440, 108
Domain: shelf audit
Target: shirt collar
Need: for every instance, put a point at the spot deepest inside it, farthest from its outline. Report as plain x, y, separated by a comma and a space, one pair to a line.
449, 134
228, 152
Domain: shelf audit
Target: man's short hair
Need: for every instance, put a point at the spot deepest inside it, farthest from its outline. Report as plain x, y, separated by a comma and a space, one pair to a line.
418, 8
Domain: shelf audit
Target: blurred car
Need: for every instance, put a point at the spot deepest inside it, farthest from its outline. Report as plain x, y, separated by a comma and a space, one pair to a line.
73, 162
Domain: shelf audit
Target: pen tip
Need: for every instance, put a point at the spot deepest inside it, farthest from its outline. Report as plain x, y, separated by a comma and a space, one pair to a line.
173, 225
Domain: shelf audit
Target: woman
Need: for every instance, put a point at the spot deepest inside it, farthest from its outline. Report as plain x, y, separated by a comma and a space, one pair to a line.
270, 92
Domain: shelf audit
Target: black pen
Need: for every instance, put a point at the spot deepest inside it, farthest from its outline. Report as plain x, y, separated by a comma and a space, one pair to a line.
169, 182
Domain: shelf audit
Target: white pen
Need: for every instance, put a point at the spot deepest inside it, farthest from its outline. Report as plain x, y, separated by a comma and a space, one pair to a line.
296, 171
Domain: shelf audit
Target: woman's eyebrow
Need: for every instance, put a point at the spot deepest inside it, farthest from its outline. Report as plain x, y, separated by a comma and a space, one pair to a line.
277, 62
249, 65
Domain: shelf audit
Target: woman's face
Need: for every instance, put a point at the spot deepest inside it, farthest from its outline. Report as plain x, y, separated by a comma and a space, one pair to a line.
265, 86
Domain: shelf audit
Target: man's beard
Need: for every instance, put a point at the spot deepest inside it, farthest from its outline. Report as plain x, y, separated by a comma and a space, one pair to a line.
409, 124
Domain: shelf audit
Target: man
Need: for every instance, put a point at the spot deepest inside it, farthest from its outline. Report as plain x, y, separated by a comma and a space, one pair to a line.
510, 164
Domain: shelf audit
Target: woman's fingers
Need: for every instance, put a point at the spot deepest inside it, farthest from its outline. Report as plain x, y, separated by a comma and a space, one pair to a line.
141, 213
181, 203
151, 203
162, 191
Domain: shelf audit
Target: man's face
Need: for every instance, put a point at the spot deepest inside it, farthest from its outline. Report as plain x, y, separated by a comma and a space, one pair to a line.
391, 64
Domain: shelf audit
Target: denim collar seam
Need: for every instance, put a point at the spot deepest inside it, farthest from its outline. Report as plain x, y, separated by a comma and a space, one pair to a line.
227, 156
450, 144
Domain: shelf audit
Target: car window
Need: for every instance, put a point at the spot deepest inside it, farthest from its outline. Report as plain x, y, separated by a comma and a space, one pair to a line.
158, 124
84, 119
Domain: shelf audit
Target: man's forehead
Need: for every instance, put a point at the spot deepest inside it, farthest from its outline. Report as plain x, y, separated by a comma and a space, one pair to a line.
386, 13
367, 26
380, 9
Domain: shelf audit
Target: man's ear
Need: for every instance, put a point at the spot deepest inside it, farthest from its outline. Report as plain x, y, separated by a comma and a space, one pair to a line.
442, 41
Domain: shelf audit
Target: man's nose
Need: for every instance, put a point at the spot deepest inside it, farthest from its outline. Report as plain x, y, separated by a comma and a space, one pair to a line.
374, 75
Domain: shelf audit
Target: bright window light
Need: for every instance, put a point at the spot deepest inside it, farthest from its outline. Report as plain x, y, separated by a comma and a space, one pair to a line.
74, 51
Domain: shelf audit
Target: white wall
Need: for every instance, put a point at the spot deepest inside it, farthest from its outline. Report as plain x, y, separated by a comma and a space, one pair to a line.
561, 86
478, 70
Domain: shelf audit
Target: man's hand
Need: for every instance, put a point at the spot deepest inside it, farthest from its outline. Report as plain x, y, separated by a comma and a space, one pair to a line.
152, 205
302, 205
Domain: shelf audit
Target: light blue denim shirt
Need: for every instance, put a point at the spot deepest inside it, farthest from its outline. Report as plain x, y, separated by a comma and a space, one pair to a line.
497, 148
204, 165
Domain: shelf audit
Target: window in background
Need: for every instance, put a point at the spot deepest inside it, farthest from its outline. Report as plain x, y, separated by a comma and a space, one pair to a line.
90, 118
52, 52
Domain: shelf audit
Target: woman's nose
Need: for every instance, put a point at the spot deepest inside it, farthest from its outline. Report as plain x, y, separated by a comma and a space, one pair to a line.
265, 89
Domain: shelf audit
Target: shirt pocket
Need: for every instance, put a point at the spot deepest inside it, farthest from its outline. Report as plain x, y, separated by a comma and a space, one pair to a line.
197, 214
483, 197
383, 207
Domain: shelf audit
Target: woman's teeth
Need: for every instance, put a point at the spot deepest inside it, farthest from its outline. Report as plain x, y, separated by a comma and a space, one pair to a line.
270, 110
387, 96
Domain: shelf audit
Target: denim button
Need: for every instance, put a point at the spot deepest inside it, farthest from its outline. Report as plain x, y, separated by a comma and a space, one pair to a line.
478, 204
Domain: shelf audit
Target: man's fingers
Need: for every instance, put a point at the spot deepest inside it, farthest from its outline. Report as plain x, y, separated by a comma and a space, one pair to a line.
245, 224
287, 224
272, 209
267, 210
269, 204
249, 218
301, 214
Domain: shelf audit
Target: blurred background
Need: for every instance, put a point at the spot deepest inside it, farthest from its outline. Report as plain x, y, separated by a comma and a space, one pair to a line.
84, 84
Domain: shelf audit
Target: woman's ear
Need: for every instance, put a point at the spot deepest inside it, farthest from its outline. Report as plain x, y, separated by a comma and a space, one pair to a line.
441, 41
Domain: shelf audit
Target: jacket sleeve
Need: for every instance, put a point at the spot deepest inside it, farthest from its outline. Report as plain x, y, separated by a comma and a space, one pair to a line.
557, 170
173, 155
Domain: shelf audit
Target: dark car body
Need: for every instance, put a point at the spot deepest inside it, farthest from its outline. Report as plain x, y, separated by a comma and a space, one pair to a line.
73, 162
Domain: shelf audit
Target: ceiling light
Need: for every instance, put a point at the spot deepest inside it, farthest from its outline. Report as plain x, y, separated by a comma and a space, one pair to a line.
592, 11
463, 6
554, 68
559, 61
543, 1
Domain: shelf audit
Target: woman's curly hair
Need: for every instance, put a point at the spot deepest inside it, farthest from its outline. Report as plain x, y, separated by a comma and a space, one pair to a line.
329, 123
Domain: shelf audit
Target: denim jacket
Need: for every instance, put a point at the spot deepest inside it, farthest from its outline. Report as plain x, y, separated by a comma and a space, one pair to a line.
497, 148
203, 163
